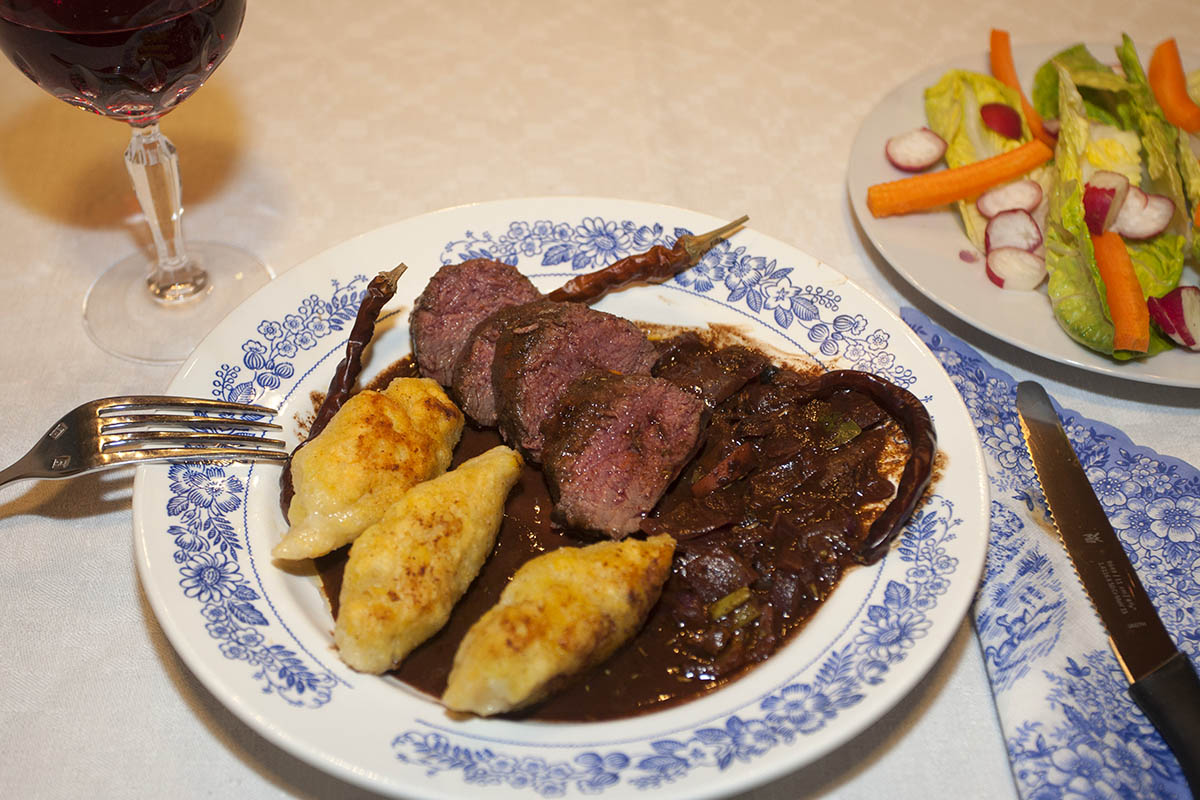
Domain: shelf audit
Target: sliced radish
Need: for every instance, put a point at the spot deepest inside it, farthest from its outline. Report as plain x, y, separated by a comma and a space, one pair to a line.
1103, 197
1001, 118
1024, 194
1051, 126
1177, 313
1143, 215
1015, 228
1014, 268
1133, 207
916, 150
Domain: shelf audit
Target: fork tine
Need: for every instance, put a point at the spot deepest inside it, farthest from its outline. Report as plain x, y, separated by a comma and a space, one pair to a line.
128, 439
151, 401
178, 454
116, 423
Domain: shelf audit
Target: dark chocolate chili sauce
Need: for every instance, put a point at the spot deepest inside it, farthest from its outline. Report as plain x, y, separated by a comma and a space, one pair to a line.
735, 594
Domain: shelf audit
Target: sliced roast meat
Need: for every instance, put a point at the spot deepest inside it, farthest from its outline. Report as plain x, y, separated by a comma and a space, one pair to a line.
543, 349
456, 299
471, 379
614, 446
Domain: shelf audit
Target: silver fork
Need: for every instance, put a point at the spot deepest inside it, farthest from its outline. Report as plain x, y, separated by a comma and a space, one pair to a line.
147, 429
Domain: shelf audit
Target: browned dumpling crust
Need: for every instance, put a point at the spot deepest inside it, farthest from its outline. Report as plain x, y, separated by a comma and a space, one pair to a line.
406, 572
377, 447
562, 612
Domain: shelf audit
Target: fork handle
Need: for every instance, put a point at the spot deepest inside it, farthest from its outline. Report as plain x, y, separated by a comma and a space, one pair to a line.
40, 463
19, 470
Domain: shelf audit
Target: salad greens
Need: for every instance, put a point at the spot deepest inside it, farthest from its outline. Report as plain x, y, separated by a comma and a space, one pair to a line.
952, 110
1108, 119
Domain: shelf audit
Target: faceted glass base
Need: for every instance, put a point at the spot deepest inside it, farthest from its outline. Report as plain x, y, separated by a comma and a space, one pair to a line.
124, 318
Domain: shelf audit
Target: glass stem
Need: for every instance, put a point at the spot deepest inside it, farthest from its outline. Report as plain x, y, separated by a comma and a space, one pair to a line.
154, 168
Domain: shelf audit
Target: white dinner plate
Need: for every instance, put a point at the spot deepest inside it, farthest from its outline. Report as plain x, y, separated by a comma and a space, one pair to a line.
925, 247
259, 637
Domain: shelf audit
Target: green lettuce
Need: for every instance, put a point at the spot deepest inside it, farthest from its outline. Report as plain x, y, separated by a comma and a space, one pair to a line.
952, 111
1095, 81
1159, 138
1158, 263
1074, 284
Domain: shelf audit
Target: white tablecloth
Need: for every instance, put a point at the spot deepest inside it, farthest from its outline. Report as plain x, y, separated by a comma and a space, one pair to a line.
323, 124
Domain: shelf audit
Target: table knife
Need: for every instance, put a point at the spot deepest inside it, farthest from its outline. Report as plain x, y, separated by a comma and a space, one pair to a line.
1161, 678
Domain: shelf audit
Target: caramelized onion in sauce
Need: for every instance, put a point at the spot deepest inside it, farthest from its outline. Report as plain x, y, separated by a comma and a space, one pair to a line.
793, 485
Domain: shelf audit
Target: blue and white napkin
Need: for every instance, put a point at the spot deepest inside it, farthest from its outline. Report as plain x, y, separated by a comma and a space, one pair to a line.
1071, 728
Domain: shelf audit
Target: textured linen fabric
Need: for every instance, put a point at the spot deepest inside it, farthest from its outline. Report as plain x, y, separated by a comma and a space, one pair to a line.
326, 123
1069, 722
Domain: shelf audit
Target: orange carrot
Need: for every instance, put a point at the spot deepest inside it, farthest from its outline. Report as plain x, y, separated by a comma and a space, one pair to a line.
932, 189
1003, 70
1169, 85
1126, 306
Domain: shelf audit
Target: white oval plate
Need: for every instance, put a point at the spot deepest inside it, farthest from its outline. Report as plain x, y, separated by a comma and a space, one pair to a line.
260, 637
924, 248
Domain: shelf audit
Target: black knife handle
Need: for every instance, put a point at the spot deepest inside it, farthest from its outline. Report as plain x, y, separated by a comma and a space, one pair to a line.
1170, 696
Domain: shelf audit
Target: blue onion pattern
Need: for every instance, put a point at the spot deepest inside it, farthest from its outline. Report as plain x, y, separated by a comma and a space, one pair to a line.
268, 358
1091, 741
727, 273
211, 556
881, 638
207, 550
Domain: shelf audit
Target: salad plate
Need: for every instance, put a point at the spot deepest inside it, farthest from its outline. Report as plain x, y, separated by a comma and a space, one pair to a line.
931, 251
260, 637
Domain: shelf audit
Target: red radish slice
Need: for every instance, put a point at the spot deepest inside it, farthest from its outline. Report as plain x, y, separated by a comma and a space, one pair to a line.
1024, 194
1103, 197
1162, 319
1142, 219
916, 150
1015, 228
1001, 118
1051, 126
1014, 268
1133, 207
1177, 313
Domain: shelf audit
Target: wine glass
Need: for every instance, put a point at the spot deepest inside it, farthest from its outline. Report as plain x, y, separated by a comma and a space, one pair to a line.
135, 60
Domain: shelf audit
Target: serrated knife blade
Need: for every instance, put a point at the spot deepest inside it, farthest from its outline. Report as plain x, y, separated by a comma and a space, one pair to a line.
1162, 679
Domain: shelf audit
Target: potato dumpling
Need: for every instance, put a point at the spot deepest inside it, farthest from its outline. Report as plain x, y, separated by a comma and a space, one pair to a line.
406, 572
561, 613
377, 447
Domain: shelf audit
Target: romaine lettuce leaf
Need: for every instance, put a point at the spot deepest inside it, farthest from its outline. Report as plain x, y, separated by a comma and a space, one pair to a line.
1074, 286
952, 111
1189, 169
1158, 263
1112, 149
1094, 80
1159, 137
1076, 290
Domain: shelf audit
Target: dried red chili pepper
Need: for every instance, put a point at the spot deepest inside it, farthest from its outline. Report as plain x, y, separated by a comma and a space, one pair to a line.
380, 290
654, 266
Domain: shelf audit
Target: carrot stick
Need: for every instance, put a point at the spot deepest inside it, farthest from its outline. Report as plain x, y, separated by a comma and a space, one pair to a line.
932, 189
1169, 85
1003, 70
1128, 309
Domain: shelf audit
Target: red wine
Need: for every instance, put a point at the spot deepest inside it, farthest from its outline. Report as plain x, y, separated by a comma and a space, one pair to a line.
132, 60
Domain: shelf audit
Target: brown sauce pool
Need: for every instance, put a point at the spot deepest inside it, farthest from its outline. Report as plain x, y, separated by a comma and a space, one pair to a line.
650, 672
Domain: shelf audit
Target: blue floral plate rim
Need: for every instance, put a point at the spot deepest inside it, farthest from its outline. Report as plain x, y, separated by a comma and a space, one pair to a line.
258, 637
